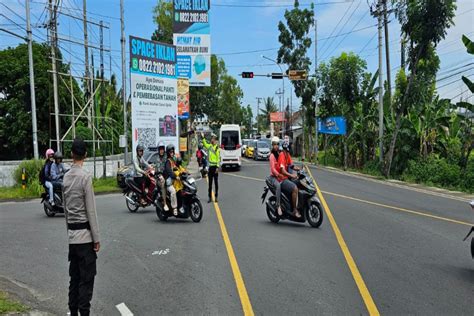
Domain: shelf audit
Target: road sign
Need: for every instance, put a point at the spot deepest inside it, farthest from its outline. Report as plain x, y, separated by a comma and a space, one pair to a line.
297, 75
247, 74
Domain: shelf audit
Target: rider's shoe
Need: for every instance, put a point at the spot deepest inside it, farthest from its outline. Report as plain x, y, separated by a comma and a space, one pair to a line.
166, 208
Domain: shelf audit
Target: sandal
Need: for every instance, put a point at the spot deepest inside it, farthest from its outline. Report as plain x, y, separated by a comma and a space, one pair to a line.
175, 212
296, 214
279, 211
166, 208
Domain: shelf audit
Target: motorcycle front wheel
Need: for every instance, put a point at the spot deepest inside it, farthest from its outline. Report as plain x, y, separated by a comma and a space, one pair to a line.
131, 207
196, 211
272, 215
48, 211
314, 215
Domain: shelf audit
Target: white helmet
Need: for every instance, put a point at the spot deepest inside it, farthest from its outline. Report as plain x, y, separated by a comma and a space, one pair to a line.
275, 140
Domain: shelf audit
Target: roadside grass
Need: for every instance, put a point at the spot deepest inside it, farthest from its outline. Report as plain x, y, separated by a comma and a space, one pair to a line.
16, 192
8, 306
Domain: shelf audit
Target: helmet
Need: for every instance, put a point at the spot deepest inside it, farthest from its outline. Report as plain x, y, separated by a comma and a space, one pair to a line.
140, 147
286, 145
161, 144
275, 140
169, 148
200, 146
213, 136
49, 152
58, 155
179, 161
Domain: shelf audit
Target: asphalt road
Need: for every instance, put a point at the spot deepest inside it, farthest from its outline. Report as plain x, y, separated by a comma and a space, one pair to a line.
388, 249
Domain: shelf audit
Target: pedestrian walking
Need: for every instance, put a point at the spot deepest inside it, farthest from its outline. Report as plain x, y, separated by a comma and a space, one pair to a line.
214, 154
82, 229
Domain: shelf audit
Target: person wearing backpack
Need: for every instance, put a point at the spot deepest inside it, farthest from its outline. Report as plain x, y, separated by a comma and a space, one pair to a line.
45, 175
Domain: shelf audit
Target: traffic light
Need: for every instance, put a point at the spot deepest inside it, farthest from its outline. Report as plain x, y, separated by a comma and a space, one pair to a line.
247, 74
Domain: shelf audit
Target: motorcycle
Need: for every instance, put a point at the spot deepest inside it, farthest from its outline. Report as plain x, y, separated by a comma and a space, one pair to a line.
134, 194
470, 232
189, 205
52, 210
308, 202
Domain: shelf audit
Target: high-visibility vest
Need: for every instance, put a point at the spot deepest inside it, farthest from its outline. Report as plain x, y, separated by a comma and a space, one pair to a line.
214, 153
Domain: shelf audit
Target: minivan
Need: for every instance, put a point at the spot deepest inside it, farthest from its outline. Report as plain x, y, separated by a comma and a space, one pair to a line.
229, 136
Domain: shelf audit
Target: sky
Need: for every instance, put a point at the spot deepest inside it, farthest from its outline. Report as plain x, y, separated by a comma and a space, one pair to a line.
243, 26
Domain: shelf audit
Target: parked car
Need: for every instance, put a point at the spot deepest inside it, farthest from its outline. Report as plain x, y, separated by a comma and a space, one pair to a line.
262, 150
250, 148
128, 170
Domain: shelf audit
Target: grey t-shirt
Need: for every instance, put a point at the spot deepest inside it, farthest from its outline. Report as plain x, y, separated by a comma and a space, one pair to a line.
79, 205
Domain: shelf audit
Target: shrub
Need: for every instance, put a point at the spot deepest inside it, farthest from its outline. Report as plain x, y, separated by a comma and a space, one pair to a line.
468, 177
32, 170
433, 170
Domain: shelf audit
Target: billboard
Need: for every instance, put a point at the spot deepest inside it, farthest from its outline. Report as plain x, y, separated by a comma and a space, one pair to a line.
191, 35
277, 117
153, 88
335, 125
183, 98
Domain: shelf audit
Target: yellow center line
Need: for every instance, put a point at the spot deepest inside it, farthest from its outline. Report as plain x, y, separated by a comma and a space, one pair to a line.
239, 281
364, 292
401, 209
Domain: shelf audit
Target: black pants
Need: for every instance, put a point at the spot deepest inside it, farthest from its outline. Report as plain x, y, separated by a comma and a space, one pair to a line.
213, 175
82, 270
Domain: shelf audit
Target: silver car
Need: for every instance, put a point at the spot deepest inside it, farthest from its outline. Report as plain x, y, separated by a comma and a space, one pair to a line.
262, 150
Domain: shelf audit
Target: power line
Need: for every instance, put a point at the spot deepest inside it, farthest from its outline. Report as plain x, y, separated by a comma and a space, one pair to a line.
337, 25
289, 5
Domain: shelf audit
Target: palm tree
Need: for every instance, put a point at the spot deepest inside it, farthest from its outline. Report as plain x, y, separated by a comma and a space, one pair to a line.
269, 107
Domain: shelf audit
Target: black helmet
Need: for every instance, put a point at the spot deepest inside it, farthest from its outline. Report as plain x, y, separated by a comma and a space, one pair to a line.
140, 147
161, 144
169, 148
58, 155
200, 146
179, 161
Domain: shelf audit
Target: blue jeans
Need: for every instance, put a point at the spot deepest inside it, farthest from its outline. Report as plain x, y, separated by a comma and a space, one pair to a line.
49, 186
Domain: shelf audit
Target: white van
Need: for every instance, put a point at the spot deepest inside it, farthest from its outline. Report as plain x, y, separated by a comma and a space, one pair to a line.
229, 137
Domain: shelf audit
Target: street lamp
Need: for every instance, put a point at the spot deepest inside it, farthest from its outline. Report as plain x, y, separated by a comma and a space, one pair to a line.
283, 80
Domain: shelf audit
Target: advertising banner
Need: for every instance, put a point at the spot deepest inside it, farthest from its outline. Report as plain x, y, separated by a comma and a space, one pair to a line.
183, 98
154, 93
277, 117
335, 125
183, 144
191, 35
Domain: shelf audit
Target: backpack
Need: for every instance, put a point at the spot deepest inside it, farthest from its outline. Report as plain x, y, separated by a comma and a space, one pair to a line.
42, 174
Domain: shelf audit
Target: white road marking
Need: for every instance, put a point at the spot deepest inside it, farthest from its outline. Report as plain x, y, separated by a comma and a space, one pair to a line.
160, 252
123, 309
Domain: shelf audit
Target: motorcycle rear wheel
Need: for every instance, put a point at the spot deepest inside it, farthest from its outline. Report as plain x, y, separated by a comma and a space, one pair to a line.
196, 211
272, 216
132, 208
314, 215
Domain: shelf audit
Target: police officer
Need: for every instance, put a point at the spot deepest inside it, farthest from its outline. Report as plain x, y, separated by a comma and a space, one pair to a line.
214, 153
83, 231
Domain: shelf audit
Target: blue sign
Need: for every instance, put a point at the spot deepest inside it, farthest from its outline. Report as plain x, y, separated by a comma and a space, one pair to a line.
335, 125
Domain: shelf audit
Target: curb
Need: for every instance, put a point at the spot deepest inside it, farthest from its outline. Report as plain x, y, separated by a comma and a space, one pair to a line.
29, 199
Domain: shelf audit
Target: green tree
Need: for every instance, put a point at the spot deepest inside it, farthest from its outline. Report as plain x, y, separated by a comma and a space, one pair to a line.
247, 116
295, 42
424, 23
15, 104
163, 18
269, 107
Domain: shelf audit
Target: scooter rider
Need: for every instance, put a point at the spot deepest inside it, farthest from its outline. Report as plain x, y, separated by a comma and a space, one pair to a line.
289, 187
143, 169
160, 170
170, 177
57, 169
275, 174
47, 174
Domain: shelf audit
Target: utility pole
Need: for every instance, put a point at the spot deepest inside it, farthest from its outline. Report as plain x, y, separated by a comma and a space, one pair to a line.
379, 19
387, 53
316, 109
124, 83
258, 112
32, 81
53, 31
93, 113
102, 97
72, 103
87, 92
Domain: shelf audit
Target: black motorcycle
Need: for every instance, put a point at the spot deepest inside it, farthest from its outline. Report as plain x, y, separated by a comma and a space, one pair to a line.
135, 195
189, 205
469, 234
308, 202
52, 210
